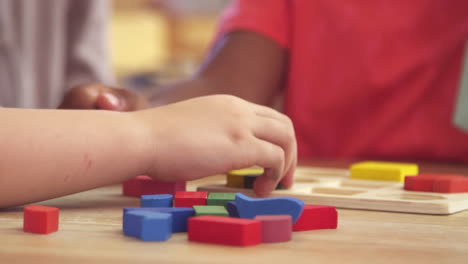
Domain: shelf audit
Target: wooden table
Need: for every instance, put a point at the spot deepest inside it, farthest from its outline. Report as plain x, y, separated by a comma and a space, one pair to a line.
91, 232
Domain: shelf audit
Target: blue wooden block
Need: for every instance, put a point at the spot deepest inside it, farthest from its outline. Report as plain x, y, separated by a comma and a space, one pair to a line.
148, 226
180, 215
156, 200
250, 207
232, 209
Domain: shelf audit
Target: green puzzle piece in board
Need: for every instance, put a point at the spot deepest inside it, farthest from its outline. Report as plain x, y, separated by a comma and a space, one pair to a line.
210, 210
220, 198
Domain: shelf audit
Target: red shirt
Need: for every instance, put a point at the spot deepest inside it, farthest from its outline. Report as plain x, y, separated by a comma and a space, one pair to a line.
367, 79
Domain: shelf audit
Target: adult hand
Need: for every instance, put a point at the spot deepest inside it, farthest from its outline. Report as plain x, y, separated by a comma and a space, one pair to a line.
98, 96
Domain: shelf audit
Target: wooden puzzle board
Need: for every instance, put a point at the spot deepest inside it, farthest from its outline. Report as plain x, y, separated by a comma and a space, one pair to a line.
334, 187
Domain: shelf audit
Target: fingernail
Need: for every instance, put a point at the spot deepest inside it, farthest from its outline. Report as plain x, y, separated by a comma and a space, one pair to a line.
112, 99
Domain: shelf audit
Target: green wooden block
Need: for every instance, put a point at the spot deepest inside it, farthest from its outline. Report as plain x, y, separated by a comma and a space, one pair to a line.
220, 198
210, 210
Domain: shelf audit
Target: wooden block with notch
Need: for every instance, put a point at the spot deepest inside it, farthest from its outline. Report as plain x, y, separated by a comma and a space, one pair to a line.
249, 207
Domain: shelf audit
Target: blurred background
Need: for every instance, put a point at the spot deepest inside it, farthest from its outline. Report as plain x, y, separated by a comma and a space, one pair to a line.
154, 42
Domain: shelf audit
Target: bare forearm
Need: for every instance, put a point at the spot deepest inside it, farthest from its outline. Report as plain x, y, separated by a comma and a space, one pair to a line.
243, 64
49, 153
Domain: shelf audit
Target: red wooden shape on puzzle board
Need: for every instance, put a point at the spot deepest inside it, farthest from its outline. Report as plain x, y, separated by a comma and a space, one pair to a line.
144, 185
40, 219
225, 230
317, 217
441, 183
275, 228
189, 199
454, 185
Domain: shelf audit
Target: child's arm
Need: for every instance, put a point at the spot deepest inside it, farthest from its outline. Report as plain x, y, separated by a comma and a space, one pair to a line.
49, 153
241, 63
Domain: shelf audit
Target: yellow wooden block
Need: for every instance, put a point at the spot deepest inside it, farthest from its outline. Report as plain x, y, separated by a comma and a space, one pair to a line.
383, 171
235, 178
235, 181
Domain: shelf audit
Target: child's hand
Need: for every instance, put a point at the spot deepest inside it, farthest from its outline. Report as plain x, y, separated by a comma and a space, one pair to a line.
214, 134
98, 96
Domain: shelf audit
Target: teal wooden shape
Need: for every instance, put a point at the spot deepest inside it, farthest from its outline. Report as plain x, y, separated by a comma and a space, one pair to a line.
210, 210
221, 199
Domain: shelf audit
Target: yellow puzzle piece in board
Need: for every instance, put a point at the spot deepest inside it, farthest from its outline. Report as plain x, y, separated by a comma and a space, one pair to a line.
383, 171
235, 178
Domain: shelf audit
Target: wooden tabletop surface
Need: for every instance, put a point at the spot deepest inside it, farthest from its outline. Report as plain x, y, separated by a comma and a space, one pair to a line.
91, 232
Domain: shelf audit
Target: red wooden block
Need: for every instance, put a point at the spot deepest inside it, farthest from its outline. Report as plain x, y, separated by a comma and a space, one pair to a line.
144, 185
416, 183
275, 228
425, 182
225, 230
451, 185
317, 217
40, 219
189, 199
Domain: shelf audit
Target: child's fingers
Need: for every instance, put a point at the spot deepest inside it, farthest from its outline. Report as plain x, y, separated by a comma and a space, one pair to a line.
288, 178
271, 113
264, 184
271, 157
265, 111
278, 133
